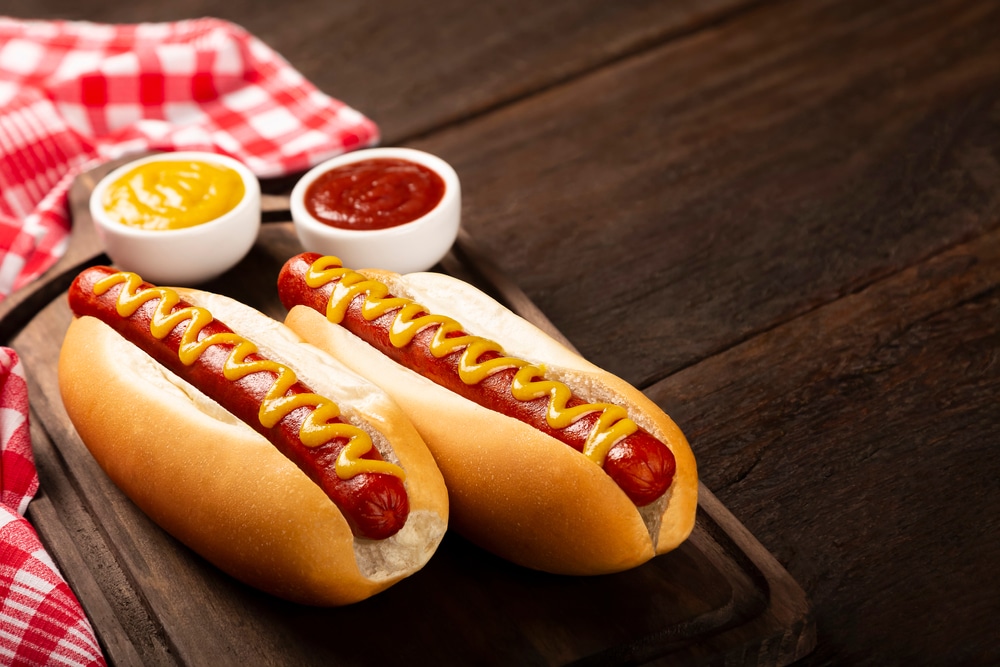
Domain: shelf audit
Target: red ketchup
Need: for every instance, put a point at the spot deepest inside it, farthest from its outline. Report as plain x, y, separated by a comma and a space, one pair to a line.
374, 194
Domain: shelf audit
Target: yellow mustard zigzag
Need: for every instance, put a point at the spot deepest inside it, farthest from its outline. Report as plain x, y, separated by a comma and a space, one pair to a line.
529, 382
317, 429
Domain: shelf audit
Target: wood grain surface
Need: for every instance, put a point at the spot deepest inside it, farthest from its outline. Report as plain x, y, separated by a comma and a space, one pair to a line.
866, 457
778, 218
757, 184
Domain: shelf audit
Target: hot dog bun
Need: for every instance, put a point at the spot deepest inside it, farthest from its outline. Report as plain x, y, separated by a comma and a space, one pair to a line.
224, 490
514, 490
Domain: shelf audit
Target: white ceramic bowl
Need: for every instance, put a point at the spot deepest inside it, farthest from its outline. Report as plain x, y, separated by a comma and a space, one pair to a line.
185, 256
413, 246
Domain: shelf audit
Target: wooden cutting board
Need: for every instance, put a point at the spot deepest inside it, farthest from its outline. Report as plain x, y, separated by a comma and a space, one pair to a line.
720, 598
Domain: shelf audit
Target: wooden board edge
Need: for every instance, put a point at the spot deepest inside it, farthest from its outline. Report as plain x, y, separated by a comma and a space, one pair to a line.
783, 633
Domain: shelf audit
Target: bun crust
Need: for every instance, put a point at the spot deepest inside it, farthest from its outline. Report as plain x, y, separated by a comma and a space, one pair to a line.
516, 491
224, 490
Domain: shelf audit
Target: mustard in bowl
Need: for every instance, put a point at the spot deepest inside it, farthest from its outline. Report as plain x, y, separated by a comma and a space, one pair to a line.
177, 218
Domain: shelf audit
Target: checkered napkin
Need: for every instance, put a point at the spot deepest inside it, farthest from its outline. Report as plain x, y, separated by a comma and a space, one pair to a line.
41, 621
74, 94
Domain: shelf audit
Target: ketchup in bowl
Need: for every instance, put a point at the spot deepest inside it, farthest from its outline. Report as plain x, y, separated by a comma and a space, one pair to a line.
389, 208
377, 193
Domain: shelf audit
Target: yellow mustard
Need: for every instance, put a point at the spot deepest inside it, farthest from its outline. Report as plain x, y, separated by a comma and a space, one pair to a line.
529, 382
173, 194
317, 429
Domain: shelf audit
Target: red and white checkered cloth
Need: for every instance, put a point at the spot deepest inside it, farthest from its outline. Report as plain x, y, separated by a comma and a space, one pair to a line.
41, 621
74, 94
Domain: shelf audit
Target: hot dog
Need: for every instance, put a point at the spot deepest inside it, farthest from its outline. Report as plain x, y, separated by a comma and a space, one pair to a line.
260, 452
550, 461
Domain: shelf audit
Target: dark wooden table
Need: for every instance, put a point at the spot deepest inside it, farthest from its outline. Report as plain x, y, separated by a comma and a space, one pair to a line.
779, 219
